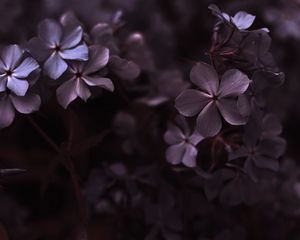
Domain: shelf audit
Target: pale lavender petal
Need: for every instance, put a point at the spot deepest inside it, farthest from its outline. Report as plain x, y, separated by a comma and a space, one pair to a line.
173, 135
82, 90
25, 68
78, 53
7, 112
233, 83
11, 55
183, 124
19, 87
55, 66
175, 153
98, 58
229, 111
3, 83
102, 82
50, 32
189, 157
190, 102
209, 121
26, 104
243, 20
195, 138
72, 38
66, 93
205, 77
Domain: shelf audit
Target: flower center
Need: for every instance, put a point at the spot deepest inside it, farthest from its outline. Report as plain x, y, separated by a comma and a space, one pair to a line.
214, 98
57, 48
9, 72
78, 74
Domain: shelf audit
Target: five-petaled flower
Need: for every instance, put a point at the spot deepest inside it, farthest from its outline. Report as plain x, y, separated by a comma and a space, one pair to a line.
182, 143
55, 44
213, 98
84, 75
16, 77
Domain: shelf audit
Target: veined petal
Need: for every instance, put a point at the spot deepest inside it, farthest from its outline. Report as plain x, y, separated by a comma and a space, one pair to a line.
233, 83
11, 55
205, 77
175, 153
26, 104
102, 82
82, 90
25, 68
66, 93
209, 121
17, 86
50, 32
55, 66
190, 154
72, 38
98, 58
38, 49
78, 53
229, 111
3, 83
190, 102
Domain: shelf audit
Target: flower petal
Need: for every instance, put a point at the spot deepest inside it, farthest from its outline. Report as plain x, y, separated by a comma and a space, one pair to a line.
25, 68
7, 112
3, 83
98, 58
205, 77
209, 121
78, 53
66, 93
38, 49
266, 162
82, 90
123, 68
26, 104
11, 55
190, 102
55, 66
175, 153
173, 135
19, 87
243, 20
233, 83
229, 111
190, 154
102, 82
72, 38
50, 32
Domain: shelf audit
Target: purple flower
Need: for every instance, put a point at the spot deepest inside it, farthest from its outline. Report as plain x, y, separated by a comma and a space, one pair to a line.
16, 77
183, 144
55, 44
83, 76
241, 20
213, 98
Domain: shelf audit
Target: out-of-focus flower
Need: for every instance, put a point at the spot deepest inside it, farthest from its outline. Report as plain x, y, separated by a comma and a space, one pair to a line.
85, 75
213, 98
183, 143
55, 44
16, 77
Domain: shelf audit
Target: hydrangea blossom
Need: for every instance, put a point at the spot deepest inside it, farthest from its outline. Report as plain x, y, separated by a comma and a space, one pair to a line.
213, 98
16, 77
55, 44
84, 75
182, 143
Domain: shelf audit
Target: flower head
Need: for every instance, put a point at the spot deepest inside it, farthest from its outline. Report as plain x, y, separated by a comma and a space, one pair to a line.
84, 75
213, 98
55, 44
